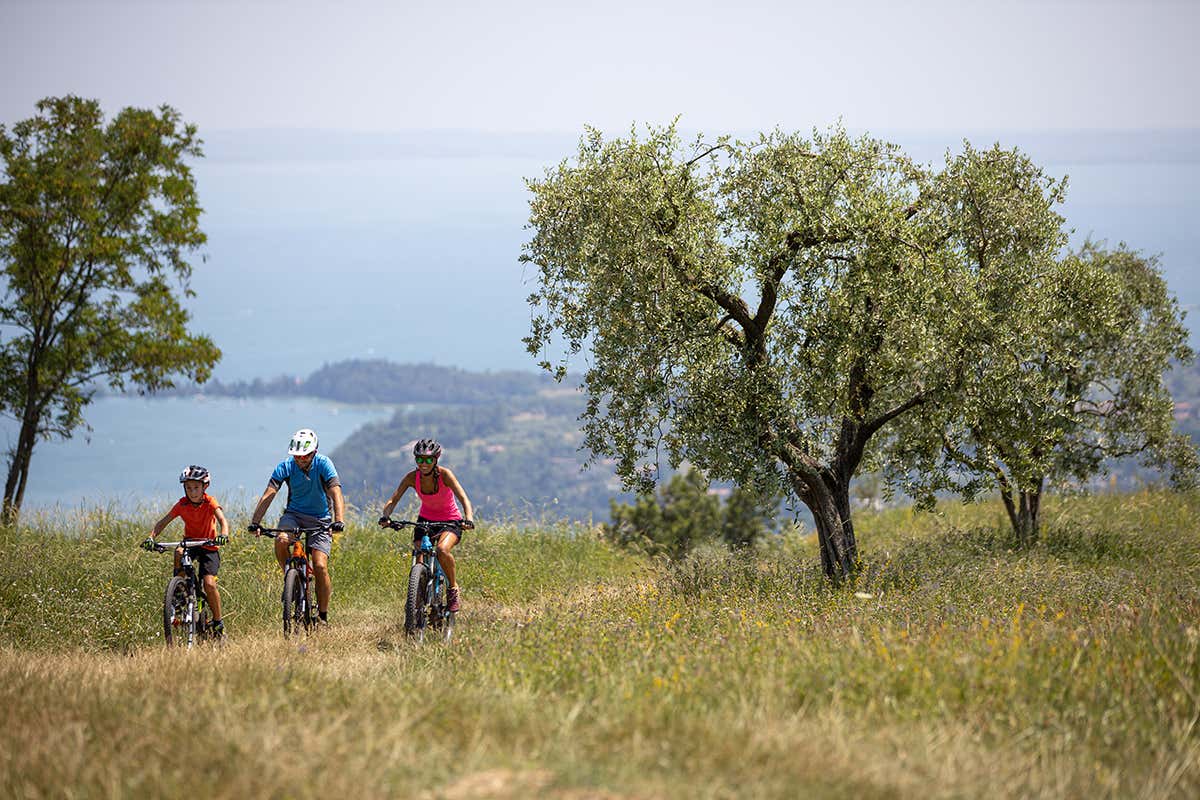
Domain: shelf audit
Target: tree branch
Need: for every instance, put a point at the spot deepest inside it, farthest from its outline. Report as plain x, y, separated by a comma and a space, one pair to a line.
874, 425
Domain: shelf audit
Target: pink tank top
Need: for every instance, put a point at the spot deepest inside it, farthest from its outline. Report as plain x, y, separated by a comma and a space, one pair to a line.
439, 506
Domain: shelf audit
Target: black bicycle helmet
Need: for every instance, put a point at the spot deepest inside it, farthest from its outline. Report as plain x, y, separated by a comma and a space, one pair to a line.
427, 447
195, 473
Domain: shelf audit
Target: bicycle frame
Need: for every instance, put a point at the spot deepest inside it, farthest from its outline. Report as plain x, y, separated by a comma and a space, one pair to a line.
300, 560
193, 619
424, 552
434, 586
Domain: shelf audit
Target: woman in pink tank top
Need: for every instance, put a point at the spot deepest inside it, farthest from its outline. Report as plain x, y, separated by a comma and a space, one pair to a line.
437, 488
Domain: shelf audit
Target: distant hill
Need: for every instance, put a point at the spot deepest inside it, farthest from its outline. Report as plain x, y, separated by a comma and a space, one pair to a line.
512, 456
378, 381
512, 436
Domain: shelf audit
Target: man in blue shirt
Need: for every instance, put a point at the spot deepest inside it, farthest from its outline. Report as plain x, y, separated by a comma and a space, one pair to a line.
313, 490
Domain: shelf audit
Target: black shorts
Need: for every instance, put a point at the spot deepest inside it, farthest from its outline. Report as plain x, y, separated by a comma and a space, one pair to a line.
436, 528
208, 562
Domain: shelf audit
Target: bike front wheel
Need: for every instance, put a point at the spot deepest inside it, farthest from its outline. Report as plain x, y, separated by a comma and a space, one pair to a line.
295, 602
414, 606
179, 619
441, 618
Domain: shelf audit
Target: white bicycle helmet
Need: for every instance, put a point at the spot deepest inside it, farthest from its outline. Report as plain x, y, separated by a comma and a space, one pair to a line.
195, 473
304, 441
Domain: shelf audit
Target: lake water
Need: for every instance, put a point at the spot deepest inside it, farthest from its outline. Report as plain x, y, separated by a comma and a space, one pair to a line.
138, 447
415, 260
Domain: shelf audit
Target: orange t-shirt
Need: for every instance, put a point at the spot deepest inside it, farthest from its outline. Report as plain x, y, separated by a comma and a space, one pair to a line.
199, 519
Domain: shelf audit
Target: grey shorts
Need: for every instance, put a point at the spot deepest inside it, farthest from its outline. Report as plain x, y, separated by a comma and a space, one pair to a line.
322, 541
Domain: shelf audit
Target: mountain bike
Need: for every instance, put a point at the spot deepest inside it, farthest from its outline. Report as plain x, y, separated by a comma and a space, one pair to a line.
299, 599
186, 618
426, 604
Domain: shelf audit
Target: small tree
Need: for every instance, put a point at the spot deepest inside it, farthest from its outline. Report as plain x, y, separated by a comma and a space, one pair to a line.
95, 219
1086, 385
684, 514
769, 311
747, 518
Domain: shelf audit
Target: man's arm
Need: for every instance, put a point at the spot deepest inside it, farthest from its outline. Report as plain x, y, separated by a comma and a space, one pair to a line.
336, 502
264, 503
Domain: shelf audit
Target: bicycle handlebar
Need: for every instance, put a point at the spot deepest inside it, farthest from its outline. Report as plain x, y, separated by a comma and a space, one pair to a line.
271, 533
164, 546
449, 523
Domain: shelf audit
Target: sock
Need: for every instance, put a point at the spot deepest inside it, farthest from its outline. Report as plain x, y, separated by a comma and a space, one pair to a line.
324, 615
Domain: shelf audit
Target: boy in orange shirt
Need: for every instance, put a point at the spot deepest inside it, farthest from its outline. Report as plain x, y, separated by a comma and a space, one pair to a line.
202, 517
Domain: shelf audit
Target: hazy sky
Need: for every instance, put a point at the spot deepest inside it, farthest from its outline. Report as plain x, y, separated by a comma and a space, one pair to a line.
555, 65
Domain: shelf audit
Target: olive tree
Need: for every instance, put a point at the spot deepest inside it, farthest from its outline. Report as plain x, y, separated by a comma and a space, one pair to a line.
96, 220
769, 311
1086, 385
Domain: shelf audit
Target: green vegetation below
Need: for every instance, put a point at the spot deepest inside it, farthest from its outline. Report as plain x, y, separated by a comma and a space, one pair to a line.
958, 666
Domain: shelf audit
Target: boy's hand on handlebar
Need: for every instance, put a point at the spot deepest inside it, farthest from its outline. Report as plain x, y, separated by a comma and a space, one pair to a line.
338, 527
147, 544
222, 539
254, 528
468, 525
385, 521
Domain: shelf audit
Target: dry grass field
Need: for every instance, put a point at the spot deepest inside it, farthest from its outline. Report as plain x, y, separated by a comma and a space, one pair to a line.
957, 667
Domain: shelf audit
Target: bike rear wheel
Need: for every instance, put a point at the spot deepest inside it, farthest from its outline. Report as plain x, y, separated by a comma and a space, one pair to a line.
203, 620
295, 605
414, 606
179, 617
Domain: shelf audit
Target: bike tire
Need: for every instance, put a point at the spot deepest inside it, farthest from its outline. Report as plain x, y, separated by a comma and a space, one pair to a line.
293, 602
441, 618
203, 620
177, 629
415, 602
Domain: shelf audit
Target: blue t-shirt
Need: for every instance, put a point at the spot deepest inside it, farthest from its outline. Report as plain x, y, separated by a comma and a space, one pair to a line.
306, 490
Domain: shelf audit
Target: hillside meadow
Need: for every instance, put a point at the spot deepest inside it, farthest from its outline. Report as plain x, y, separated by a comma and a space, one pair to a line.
958, 666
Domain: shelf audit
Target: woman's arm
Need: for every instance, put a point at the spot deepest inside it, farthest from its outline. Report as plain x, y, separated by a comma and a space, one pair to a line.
404, 486
460, 493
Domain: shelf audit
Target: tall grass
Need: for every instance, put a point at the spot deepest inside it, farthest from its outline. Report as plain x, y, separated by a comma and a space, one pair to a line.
959, 666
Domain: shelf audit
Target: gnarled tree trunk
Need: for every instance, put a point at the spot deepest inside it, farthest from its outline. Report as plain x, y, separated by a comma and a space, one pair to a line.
1023, 507
829, 502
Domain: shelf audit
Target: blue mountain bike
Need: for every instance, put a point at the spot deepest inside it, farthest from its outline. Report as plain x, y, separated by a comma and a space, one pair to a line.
426, 607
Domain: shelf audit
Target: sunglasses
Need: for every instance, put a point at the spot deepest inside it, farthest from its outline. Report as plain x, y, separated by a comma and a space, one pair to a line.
426, 460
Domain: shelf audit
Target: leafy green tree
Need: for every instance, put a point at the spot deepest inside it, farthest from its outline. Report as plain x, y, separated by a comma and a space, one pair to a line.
95, 220
683, 515
747, 518
769, 311
1086, 385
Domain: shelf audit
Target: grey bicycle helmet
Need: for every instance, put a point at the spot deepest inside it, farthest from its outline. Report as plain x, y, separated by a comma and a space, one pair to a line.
195, 473
427, 447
